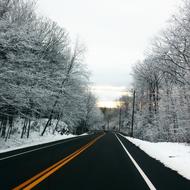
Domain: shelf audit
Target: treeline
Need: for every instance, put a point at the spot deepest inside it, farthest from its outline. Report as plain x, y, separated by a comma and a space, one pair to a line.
41, 74
162, 84
119, 118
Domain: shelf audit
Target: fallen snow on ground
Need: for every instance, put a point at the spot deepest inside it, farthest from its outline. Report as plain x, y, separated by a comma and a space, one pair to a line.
15, 141
35, 139
173, 155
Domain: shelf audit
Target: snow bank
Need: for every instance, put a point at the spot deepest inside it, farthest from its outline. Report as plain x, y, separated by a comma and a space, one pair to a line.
173, 155
15, 142
35, 139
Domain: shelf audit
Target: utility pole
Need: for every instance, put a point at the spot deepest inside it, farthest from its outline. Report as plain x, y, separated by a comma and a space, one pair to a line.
108, 119
119, 118
133, 113
108, 125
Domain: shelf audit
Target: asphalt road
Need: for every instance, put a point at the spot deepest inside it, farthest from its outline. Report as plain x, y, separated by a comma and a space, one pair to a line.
103, 161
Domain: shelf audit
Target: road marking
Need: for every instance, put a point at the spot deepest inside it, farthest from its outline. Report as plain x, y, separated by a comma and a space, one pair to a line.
44, 147
148, 182
43, 172
32, 182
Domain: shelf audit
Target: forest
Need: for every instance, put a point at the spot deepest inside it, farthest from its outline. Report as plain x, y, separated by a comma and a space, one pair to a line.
43, 78
162, 85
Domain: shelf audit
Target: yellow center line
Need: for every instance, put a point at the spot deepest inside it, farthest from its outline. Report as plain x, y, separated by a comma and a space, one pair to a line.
32, 182
43, 172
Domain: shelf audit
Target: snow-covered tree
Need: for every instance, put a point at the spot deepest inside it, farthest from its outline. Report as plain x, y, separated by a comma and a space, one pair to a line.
162, 83
41, 74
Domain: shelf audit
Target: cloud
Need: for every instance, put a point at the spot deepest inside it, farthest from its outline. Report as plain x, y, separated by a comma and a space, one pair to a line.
108, 93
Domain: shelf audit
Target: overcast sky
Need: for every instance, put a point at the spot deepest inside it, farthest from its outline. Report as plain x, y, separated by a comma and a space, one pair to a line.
115, 32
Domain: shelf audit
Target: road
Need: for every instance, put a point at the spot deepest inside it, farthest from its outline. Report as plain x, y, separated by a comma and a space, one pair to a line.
102, 161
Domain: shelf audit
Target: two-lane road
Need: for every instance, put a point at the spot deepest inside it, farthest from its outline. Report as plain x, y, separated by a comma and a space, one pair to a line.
102, 161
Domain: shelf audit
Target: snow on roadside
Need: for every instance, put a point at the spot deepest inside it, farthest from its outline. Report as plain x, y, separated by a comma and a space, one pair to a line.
173, 155
35, 139
15, 142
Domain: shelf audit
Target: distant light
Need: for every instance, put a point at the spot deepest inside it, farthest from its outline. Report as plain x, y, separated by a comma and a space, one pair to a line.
109, 104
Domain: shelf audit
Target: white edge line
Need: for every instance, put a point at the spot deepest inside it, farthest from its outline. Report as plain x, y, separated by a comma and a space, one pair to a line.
148, 182
28, 151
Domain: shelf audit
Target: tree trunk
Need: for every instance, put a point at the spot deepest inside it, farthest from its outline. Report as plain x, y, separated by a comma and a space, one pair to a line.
10, 128
150, 109
1, 126
58, 119
47, 124
4, 125
50, 118
174, 115
28, 131
157, 96
24, 128
150, 100
8, 131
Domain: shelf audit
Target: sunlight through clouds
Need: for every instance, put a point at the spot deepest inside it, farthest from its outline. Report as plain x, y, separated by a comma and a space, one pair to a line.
108, 95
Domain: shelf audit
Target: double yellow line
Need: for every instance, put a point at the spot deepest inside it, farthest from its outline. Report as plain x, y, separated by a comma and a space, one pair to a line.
35, 180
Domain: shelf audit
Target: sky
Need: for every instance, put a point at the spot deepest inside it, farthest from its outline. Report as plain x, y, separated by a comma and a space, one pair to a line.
116, 34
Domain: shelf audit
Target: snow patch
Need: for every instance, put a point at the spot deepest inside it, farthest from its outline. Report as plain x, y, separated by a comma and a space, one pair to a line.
16, 142
173, 155
35, 139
